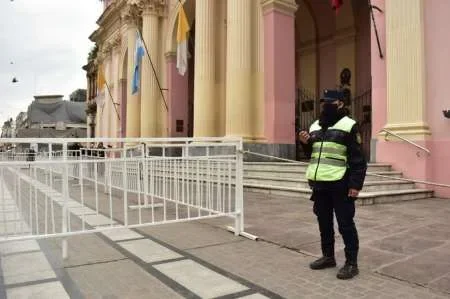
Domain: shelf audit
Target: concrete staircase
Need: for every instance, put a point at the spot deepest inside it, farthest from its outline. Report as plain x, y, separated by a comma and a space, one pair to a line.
289, 179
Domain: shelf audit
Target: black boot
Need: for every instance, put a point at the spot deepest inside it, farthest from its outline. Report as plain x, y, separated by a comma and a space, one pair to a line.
323, 263
348, 271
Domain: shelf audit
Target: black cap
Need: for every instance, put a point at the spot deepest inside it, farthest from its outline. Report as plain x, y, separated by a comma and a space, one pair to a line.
331, 95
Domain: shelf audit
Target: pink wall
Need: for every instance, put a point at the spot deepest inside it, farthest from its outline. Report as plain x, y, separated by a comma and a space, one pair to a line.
437, 49
378, 69
403, 156
178, 98
411, 161
279, 58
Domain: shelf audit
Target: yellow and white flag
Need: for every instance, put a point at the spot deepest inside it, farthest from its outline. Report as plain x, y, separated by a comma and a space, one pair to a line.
182, 41
100, 77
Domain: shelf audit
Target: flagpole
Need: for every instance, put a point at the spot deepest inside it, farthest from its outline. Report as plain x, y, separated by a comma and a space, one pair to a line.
153, 68
112, 99
371, 7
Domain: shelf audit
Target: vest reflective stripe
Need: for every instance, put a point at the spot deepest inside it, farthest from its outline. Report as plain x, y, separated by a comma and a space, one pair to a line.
329, 159
329, 149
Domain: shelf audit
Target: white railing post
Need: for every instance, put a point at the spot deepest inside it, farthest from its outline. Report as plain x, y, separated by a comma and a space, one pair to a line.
65, 189
145, 176
105, 171
3, 185
80, 171
50, 151
79, 158
239, 204
125, 187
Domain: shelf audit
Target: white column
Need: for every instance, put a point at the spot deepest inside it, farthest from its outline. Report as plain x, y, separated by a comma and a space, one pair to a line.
116, 91
133, 100
206, 106
406, 72
150, 96
240, 82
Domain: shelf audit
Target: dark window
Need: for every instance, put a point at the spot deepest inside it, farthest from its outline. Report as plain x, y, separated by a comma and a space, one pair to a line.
180, 125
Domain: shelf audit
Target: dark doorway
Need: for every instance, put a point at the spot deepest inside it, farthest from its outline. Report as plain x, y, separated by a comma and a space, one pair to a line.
191, 73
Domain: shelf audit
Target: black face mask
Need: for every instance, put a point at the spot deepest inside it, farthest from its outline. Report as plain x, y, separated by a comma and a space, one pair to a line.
329, 115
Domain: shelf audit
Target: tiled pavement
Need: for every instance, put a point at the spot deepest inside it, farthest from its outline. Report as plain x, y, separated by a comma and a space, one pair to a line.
405, 253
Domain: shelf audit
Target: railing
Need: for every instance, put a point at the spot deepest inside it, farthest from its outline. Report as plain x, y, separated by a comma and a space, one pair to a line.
362, 113
406, 140
153, 182
368, 173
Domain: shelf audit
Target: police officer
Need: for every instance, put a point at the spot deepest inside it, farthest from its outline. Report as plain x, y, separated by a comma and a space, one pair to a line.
336, 173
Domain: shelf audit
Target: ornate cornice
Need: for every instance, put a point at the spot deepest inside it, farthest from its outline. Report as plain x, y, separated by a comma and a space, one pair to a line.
153, 7
288, 7
131, 13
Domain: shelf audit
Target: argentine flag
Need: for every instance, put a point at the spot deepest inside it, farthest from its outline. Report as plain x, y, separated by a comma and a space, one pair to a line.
138, 54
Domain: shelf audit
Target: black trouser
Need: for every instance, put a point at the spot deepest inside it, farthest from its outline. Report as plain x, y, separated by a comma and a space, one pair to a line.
327, 200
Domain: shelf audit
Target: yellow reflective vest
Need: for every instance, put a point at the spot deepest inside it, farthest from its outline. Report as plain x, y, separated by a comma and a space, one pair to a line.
329, 155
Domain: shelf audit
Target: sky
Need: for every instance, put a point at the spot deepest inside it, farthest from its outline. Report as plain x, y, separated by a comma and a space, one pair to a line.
44, 44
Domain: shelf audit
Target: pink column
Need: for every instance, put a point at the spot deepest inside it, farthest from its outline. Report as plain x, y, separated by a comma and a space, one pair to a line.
378, 66
404, 157
388, 151
279, 73
178, 99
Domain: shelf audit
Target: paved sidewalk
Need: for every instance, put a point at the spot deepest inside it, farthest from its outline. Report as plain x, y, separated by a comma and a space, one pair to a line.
405, 253
405, 246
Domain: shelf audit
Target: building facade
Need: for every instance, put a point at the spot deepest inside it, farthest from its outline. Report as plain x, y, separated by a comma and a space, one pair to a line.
49, 116
257, 68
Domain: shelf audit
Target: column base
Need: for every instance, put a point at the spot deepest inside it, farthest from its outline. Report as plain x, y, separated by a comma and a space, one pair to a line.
249, 139
411, 131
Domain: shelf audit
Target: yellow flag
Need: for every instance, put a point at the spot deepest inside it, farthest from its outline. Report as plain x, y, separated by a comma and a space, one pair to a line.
100, 77
182, 40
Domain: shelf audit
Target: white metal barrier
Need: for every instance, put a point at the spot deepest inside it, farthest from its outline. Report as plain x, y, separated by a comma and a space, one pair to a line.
146, 182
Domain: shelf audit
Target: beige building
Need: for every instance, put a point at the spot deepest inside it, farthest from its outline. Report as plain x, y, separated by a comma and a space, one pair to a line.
257, 68
226, 79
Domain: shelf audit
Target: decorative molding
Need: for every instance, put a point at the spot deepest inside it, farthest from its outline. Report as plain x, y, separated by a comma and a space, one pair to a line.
171, 54
288, 7
116, 41
131, 13
107, 49
152, 7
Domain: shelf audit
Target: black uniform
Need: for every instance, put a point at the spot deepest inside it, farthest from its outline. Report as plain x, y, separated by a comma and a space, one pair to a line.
329, 196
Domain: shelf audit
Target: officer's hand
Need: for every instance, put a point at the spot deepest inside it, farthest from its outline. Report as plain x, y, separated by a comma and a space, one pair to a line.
304, 137
353, 193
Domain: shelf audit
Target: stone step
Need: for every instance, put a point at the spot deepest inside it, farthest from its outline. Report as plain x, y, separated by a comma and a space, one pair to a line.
365, 198
289, 174
369, 186
275, 166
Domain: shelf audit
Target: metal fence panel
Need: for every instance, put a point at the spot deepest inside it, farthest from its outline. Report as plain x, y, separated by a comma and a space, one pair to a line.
151, 182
